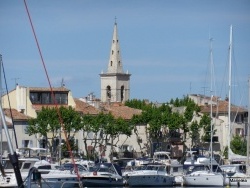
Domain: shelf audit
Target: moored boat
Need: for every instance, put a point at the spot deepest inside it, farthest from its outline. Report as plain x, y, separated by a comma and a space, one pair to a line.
152, 175
103, 175
203, 176
236, 175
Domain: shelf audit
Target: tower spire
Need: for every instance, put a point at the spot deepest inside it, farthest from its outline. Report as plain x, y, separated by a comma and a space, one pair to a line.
115, 85
115, 62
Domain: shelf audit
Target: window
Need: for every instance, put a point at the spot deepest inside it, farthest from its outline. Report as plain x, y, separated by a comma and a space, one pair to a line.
124, 148
112, 52
239, 118
239, 131
46, 98
122, 93
215, 139
25, 143
47, 167
108, 92
111, 63
26, 165
36, 98
42, 143
32, 97
61, 98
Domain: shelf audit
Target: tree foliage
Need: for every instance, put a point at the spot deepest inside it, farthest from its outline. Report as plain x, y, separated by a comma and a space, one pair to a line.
205, 123
194, 133
239, 145
49, 120
105, 129
138, 104
162, 120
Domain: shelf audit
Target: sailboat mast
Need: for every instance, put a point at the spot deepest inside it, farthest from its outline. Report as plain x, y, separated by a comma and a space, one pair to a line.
1, 125
248, 126
211, 104
12, 155
229, 91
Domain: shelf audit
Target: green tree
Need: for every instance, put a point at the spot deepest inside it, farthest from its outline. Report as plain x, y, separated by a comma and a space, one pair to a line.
138, 104
162, 120
71, 120
115, 128
194, 132
239, 145
86, 127
205, 123
190, 111
46, 121
50, 120
92, 124
105, 129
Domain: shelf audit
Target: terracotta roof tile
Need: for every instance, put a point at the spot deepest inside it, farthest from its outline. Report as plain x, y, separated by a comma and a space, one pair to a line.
38, 107
15, 114
81, 107
85, 108
222, 108
119, 110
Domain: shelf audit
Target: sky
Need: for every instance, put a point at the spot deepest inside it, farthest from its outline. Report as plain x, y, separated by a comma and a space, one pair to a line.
164, 44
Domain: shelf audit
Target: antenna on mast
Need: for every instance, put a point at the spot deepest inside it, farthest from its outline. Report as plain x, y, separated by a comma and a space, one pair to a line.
62, 83
16, 83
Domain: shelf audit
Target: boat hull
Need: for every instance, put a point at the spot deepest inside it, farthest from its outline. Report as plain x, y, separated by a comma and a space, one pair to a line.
150, 180
204, 180
96, 181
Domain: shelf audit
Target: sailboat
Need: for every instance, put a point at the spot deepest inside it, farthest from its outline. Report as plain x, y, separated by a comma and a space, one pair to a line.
237, 174
205, 175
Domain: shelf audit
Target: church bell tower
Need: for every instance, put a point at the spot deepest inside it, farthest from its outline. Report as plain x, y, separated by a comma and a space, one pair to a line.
115, 83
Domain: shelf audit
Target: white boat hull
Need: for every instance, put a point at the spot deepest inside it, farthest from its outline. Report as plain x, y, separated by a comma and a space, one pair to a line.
204, 180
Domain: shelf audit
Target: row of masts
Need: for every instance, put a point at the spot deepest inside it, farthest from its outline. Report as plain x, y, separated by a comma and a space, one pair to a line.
229, 103
12, 154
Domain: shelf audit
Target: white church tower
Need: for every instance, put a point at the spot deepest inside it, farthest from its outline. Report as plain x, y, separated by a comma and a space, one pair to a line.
115, 83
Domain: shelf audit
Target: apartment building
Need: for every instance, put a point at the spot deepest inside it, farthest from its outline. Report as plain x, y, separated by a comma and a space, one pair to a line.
219, 110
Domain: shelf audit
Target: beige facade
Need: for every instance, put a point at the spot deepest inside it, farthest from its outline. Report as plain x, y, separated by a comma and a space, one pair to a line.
20, 99
21, 104
18, 136
220, 120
